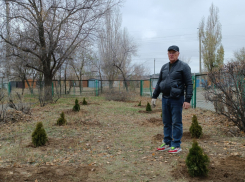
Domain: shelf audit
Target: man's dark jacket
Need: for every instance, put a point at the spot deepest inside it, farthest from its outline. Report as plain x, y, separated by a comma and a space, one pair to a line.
174, 82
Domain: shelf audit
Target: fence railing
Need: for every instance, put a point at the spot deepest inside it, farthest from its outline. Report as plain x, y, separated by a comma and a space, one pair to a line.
96, 87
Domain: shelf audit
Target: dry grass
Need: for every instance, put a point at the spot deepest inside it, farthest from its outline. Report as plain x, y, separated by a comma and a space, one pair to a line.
109, 138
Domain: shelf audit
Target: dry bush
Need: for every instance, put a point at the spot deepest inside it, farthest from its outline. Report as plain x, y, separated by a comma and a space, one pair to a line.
18, 104
117, 95
227, 92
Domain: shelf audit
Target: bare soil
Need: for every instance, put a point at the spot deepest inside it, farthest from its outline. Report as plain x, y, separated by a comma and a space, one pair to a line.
153, 121
49, 173
230, 168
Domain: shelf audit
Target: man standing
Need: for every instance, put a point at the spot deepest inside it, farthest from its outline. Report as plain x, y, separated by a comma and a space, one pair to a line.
174, 80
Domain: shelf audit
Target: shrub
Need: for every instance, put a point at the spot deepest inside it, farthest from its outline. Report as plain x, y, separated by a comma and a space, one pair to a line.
195, 129
225, 89
39, 136
139, 103
61, 120
84, 102
76, 107
148, 107
197, 161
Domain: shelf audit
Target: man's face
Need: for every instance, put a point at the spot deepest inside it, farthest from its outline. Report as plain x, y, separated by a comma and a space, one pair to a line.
173, 56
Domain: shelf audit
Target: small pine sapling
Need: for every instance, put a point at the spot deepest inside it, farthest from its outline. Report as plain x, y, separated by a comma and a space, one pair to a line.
196, 161
139, 103
39, 136
148, 107
76, 107
84, 102
161, 115
195, 129
61, 120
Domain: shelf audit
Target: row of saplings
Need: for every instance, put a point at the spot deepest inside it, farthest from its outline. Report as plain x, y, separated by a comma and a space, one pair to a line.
196, 160
39, 136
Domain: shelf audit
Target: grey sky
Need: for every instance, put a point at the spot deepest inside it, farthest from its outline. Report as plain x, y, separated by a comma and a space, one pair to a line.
157, 24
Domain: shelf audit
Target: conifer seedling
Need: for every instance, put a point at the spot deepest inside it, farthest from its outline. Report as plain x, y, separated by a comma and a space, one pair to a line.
84, 102
61, 120
196, 161
76, 107
39, 136
195, 129
148, 107
139, 103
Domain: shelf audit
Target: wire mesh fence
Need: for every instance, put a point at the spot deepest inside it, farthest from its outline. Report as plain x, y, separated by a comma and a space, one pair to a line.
201, 85
94, 87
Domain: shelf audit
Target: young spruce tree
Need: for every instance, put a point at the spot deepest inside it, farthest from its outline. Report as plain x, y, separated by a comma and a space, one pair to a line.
39, 136
195, 129
148, 107
84, 102
61, 120
139, 103
76, 107
196, 161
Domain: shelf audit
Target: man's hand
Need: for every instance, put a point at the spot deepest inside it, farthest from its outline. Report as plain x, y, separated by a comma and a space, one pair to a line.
153, 102
186, 105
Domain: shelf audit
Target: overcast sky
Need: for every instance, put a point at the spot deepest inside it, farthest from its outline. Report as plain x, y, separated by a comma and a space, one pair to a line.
157, 24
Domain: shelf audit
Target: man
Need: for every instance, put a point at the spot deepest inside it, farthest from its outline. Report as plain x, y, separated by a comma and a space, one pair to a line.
174, 80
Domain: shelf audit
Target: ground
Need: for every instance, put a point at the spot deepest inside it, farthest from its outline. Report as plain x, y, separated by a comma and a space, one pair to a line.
114, 141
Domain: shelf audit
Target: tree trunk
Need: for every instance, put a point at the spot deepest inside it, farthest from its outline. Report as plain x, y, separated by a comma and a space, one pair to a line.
48, 87
23, 86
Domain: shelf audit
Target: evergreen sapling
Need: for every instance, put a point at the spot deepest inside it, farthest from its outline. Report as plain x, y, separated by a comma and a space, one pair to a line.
148, 107
195, 129
139, 103
84, 102
76, 107
61, 120
39, 136
196, 161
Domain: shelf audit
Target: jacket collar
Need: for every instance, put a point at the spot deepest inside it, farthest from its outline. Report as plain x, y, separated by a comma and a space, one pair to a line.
174, 62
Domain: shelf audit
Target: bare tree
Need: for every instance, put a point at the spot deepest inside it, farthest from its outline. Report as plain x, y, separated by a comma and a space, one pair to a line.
115, 47
139, 71
212, 49
228, 93
50, 30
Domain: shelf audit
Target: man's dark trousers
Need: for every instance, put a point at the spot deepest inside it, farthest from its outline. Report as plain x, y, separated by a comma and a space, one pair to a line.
172, 120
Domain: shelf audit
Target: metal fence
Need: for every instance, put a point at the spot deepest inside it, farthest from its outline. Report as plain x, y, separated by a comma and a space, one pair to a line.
200, 83
96, 87
74, 87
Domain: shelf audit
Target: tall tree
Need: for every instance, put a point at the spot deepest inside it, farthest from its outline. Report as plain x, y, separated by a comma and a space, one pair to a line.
212, 49
50, 30
115, 47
